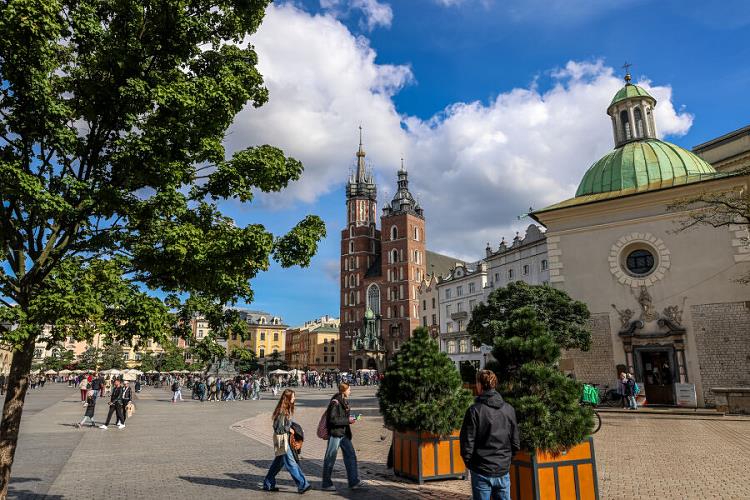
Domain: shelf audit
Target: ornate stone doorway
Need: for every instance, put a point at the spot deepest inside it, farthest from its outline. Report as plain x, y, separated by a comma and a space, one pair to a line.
655, 367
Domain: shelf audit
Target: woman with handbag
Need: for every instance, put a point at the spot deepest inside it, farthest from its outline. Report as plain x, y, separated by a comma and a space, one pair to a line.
282, 427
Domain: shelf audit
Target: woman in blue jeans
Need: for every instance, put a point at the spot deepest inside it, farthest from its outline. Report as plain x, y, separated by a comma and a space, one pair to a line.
340, 436
282, 427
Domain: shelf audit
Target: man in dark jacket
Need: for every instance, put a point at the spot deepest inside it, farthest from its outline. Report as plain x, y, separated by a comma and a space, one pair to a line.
115, 406
489, 438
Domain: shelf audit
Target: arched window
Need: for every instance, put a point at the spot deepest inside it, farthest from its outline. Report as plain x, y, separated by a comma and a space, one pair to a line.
394, 233
373, 298
394, 255
351, 247
351, 299
401, 311
416, 233
351, 231
639, 127
627, 133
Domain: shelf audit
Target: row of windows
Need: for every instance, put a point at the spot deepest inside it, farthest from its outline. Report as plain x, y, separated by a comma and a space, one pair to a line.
459, 346
415, 233
460, 307
424, 304
458, 325
525, 269
460, 290
434, 320
262, 336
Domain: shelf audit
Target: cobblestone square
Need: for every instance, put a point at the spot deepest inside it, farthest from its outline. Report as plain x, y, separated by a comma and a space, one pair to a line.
221, 450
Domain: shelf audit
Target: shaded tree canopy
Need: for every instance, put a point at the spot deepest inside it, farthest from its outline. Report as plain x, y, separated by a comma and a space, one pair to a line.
113, 115
566, 318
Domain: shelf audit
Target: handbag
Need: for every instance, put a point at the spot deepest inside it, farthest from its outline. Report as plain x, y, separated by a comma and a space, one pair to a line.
280, 444
323, 424
130, 408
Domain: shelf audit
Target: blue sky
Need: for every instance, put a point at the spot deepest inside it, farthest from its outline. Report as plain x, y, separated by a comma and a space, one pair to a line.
496, 106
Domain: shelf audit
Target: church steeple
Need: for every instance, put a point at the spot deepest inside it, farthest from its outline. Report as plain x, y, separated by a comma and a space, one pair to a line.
403, 201
632, 114
361, 170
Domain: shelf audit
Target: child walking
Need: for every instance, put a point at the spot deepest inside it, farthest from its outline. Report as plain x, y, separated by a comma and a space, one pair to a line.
88, 415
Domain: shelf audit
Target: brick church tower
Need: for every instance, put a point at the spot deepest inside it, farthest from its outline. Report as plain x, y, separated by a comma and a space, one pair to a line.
360, 249
403, 264
380, 271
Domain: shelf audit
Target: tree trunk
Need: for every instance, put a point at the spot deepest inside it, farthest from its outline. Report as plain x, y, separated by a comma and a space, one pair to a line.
18, 382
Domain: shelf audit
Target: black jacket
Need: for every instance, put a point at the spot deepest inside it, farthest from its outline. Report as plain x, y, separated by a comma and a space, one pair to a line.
116, 397
489, 435
338, 417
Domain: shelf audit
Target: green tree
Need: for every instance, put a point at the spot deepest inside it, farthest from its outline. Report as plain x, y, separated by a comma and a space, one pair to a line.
173, 358
421, 388
64, 359
113, 117
208, 350
148, 362
89, 359
567, 318
112, 357
276, 362
527, 351
245, 359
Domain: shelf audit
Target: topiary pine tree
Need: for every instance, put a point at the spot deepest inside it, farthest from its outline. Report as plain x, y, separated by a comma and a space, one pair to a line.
422, 390
546, 401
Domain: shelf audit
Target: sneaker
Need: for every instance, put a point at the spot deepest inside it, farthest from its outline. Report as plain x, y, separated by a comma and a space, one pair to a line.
328, 488
78, 426
305, 488
275, 488
103, 427
356, 485
120, 426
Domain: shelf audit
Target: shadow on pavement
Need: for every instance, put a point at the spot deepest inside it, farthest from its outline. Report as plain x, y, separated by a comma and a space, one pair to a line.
23, 494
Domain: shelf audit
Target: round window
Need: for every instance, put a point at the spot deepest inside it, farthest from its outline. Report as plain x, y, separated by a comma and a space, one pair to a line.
640, 262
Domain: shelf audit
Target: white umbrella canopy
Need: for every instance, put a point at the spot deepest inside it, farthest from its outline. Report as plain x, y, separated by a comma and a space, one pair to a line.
50, 372
34, 372
128, 375
279, 372
112, 371
64, 372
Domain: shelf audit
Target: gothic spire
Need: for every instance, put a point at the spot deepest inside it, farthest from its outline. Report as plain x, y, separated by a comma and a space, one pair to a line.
361, 169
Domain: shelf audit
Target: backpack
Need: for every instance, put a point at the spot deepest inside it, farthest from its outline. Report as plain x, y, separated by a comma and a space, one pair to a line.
323, 423
636, 388
175, 386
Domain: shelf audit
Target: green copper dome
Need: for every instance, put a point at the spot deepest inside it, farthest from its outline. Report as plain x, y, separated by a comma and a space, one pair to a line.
628, 91
643, 165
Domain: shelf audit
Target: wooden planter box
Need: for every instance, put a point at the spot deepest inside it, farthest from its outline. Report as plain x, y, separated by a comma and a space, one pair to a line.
568, 476
426, 457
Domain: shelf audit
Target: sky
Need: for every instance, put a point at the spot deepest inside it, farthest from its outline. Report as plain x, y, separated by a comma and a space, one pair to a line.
496, 106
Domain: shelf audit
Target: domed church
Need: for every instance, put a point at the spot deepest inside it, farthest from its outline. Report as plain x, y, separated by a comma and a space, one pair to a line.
665, 301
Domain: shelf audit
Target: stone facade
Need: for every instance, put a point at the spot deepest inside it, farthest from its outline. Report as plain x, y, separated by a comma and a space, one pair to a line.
597, 365
722, 333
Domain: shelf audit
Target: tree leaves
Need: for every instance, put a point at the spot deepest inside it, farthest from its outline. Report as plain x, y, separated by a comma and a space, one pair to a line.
421, 389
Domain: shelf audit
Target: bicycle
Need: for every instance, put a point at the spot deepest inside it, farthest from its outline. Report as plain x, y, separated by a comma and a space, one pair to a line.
591, 399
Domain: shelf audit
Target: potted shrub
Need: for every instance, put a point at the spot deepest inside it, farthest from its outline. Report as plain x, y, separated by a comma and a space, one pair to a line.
557, 460
422, 399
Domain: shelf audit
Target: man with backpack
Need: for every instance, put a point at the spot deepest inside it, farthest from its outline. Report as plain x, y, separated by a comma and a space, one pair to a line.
176, 393
631, 389
489, 438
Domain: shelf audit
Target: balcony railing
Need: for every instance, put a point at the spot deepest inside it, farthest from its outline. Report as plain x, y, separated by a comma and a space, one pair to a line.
456, 316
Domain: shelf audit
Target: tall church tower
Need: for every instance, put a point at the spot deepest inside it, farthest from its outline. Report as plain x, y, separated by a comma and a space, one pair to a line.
360, 248
403, 262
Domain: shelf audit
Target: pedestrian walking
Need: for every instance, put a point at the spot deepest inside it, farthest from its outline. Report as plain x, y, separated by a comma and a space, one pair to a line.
338, 421
630, 391
489, 438
282, 427
115, 406
127, 397
176, 392
84, 387
88, 415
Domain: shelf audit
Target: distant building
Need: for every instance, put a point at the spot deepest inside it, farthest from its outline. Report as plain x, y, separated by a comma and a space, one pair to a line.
314, 345
266, 335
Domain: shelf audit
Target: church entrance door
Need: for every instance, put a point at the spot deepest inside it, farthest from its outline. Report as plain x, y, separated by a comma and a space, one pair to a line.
655, 369
358, 364
372, 364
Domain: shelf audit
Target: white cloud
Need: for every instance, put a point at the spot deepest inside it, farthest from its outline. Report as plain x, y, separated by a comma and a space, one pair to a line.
374, 13
475, 167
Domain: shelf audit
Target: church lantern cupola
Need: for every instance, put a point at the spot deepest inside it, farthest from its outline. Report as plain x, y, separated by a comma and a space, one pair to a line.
632, 113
